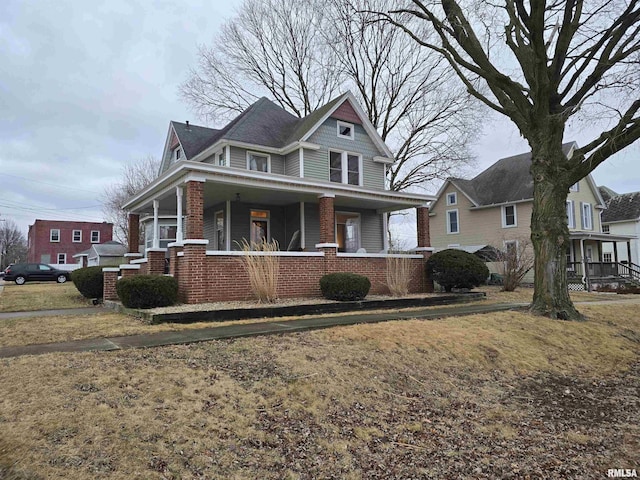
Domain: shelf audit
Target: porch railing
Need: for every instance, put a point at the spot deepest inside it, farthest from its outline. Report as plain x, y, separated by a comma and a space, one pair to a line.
575, 270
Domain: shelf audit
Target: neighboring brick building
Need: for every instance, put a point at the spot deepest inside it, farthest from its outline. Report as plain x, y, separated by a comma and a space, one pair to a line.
57, 241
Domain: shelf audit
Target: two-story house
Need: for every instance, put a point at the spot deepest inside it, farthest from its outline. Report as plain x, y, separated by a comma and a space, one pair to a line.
55, 242
622, 217
494, 209
316, 185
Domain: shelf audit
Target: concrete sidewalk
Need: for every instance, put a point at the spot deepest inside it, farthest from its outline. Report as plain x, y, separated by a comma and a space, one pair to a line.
244, 330
52, 313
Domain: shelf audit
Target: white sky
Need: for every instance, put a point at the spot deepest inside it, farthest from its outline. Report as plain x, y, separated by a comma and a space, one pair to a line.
86, 87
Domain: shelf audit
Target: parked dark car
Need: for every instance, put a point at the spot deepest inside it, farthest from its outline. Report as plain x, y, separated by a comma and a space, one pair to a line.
34, 272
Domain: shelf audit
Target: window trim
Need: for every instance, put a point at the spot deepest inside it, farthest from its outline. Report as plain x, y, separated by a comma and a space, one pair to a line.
220, 158
339, 124
575, 187
51, 240
504, 216
455, 198
506, 244
95, 231
344, 164
268, 220
335, 227
571, 219
448, 221
73, 236
589, 208
253, 152
64, 255
174, 155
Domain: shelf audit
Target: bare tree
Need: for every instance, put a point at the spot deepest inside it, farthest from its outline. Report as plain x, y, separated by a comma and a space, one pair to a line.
516, 259
13, 245
135, 176
302, 53
541, 63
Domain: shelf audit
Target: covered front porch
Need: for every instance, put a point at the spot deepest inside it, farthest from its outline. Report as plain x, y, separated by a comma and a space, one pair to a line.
197, 224
589, 268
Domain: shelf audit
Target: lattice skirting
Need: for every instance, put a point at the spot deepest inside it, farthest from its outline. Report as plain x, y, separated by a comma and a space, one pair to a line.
576, 287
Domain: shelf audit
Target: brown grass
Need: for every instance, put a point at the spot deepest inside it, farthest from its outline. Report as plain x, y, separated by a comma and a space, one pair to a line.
326, 404
40, 296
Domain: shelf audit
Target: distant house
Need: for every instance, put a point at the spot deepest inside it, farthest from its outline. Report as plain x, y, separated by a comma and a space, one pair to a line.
315, 185
55, 242
107, 254
494, 209
622, 217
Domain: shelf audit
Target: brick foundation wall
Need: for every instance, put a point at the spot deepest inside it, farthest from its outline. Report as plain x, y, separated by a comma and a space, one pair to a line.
109, 286
224, 277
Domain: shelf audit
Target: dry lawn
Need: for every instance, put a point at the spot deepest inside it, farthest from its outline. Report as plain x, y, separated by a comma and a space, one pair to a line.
40, 296
489, 396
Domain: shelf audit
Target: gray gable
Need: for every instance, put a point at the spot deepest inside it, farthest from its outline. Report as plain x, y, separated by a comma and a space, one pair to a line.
507, 180
622, 207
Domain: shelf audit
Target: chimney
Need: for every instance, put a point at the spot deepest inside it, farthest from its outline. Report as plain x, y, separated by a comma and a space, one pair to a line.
187, 124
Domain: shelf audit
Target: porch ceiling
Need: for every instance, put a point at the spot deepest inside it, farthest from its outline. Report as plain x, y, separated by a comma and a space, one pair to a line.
224, 183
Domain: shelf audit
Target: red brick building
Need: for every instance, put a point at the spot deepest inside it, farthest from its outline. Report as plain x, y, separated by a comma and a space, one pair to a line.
57, 241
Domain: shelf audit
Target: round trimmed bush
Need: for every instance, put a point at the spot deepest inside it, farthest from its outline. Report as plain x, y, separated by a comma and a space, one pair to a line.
456, 269
344, 286
147, 291
89, 281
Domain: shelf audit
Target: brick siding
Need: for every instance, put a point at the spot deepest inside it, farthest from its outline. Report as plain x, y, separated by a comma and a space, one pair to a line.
195, 215
327, 220
133, 238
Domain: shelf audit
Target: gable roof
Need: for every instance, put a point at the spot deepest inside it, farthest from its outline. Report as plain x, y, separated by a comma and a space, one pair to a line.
506, 181
109, 249
625, 206
266, 124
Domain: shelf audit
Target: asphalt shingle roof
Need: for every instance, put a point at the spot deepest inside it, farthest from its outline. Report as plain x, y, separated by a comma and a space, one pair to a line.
263, 123
110, 249
507, 180
625, 206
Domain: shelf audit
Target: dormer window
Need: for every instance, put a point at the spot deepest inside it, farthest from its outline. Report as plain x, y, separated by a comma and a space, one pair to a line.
177, 154
345, 130
452, 198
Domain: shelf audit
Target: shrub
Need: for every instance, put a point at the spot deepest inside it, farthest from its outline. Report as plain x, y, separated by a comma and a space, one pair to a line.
147, 291
344, 286
456, 269
89, 281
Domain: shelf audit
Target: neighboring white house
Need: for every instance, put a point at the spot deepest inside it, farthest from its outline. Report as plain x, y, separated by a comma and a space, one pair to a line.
108, 253
621, 217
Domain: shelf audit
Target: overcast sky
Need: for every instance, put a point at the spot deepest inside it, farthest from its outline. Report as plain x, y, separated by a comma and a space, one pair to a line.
86, 87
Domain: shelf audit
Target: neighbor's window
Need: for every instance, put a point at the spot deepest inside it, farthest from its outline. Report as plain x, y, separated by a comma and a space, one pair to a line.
606, 258
348, 232
260, 226
587, 216
453, 225
575, 187
511, 247
344, 167
509, 216
571, 217
62, 258
345, 130
77, 236
605, 228
452, 198
258, 162
54, 235
95, 236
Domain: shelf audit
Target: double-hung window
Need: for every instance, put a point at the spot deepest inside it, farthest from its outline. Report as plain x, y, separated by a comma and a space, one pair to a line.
95, 236
587, 216
77, 236
509, 216
453, 223
62, 258
452, 198
54, 235
345, 167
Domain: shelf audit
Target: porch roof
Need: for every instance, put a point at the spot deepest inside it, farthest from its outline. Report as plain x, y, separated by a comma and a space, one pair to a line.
226, 183
600, 237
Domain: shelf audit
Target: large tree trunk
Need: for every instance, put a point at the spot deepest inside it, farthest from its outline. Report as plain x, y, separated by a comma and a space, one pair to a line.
549, 230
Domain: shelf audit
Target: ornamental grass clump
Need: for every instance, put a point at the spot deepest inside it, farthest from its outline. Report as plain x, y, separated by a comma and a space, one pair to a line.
398, 275
262, 266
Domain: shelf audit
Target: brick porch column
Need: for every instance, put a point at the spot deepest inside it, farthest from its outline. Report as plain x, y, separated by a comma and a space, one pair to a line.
156, 260
109, 286
134, 233
194, 285
424, 241
327, 219
174, 249
195, 210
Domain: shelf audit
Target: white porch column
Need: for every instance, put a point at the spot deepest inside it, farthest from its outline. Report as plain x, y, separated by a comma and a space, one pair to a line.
302, 236
156, 227
179, 234
227, 227
385, 232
